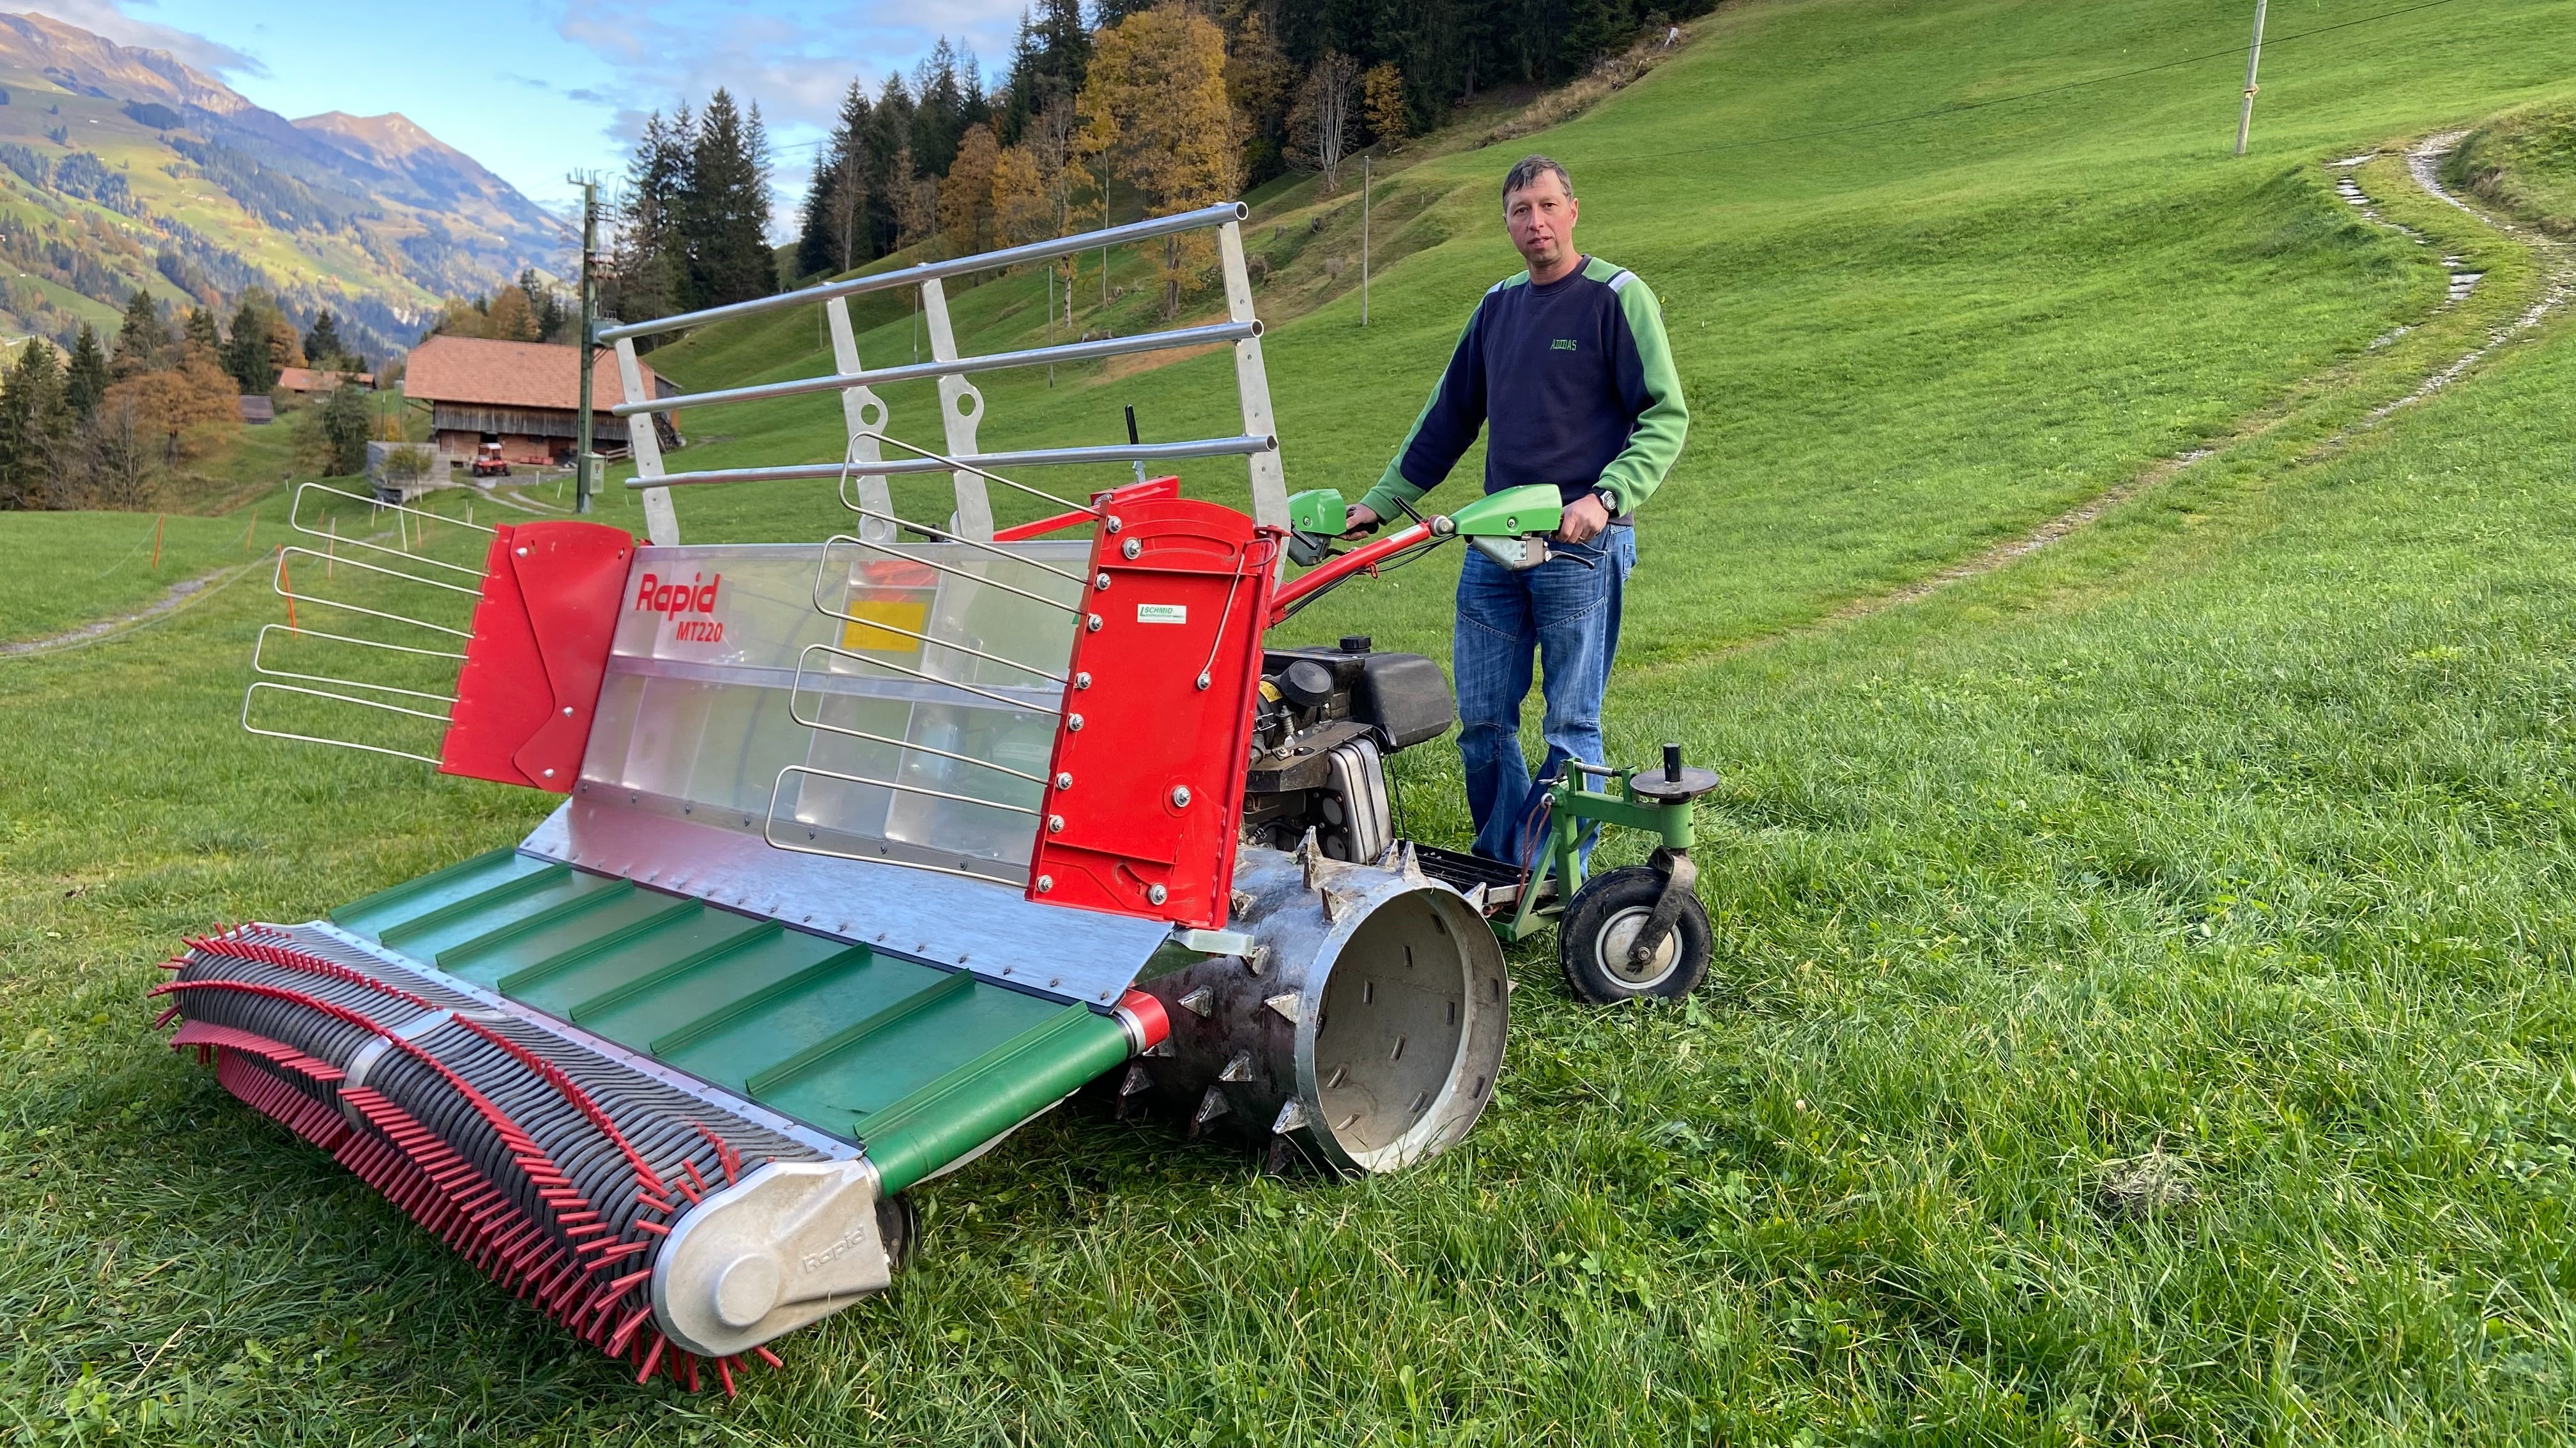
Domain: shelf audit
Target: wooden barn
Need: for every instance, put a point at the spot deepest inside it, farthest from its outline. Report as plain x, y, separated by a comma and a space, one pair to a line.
526, 396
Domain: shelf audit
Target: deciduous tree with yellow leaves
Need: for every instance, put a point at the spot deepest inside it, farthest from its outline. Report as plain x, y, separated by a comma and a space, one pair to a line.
1154, 113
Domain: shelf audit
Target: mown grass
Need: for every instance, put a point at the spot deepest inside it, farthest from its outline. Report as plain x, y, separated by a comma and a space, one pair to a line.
2145, 1000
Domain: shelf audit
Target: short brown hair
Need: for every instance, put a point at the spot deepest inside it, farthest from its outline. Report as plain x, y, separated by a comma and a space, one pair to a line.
1525, 173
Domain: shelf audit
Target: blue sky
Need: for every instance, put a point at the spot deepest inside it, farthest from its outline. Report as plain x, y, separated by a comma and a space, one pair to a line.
536, 89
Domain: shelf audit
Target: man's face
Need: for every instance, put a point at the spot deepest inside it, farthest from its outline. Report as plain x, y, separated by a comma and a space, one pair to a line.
1541, 218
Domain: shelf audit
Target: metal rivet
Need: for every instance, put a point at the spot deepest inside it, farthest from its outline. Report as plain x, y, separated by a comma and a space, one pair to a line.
1131, 547
1091, 622
1073, 723
1101, 583
550, 774
1082, 680
1157, 894
1064, 781
567, 711
1045, 883
1055, 824
1204, 681
523, 551
1180, 796
1112, 523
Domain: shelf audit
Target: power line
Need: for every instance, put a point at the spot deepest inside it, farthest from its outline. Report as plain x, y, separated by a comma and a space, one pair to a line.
1961, 107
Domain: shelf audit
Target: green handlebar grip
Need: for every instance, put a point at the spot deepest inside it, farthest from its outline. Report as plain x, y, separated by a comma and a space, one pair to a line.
1317, 510
1529, 511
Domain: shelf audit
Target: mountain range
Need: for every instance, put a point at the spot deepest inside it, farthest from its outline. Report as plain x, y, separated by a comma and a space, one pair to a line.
122, 168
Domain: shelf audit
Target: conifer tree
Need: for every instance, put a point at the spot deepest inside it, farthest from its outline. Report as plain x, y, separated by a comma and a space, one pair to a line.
142, 341
34, 424
322, 345
85, 377
725, 211
247, 354
204, 331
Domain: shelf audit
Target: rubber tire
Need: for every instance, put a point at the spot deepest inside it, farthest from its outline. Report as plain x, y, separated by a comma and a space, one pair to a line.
1600, 904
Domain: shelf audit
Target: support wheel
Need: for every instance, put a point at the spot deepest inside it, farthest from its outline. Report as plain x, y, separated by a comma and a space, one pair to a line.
899, 1224
1601, 924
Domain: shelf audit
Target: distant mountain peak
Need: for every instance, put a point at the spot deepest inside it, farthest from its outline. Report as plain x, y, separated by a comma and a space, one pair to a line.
371, 217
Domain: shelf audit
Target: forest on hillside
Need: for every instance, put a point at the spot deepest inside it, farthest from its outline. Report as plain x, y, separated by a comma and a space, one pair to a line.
1158, 106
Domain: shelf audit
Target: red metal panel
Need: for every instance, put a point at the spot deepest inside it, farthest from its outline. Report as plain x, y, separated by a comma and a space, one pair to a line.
540, 646
1158, 714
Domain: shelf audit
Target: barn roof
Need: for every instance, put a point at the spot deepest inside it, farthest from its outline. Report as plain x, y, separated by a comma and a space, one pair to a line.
475, 371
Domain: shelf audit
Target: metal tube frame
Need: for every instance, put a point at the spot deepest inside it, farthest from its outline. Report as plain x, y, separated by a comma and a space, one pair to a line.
961, 405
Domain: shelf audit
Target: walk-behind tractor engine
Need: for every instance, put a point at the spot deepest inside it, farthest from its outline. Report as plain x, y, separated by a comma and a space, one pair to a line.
871, 850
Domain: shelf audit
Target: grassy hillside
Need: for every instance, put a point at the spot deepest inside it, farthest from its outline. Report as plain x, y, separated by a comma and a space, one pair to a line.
2146, 994
1902, 342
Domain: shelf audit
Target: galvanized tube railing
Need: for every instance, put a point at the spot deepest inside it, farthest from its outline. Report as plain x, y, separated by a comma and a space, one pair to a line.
1092, 351
1146, 230
1214, 447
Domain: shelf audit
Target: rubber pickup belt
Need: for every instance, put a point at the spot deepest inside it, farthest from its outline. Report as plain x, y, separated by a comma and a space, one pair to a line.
553, 1170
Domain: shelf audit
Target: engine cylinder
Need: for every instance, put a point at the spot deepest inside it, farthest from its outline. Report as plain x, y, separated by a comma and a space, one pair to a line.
1364, 1031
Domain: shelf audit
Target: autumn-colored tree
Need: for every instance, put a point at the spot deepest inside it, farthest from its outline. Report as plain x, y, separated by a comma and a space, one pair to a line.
966, 192
285, 344
1022, 209
182, 410
510, 319
1154, 113
1382, 98
1320, 124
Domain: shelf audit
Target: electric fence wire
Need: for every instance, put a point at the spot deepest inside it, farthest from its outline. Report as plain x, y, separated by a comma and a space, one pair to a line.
1963, 107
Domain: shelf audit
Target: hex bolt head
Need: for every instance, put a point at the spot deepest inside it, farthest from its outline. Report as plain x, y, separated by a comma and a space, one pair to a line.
1064, 781
1157, 894
1055, 824
1045, 883
1180, 796
1131, 547
1112, 524
1100, 584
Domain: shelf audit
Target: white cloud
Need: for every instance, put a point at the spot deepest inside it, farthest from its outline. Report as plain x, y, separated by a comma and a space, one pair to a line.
795, 60
109, 18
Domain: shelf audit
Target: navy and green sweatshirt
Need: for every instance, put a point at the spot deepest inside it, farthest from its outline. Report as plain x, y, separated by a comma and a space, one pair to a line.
1576, 381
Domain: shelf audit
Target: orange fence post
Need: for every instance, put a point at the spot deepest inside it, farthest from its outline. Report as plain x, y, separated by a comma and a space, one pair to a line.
156, 541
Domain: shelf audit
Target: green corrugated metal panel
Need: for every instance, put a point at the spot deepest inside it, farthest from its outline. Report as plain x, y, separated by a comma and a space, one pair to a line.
914, 1060
415, 898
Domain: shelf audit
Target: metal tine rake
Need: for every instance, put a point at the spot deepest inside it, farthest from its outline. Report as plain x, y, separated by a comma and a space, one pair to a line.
259, 662
259, 684
294, 519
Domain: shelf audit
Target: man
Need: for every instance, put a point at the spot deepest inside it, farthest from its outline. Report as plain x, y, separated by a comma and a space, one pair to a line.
1567, 366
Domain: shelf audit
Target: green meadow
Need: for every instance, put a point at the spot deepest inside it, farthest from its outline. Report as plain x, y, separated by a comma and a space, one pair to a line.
2145, 1006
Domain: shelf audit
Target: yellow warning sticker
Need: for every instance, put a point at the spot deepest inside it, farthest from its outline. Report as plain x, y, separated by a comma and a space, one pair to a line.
894, 613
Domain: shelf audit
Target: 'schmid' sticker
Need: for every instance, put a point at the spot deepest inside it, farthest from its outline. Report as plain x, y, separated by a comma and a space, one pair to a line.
1162, 613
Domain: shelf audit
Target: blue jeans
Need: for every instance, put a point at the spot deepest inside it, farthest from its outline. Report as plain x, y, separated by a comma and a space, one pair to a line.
1564, 616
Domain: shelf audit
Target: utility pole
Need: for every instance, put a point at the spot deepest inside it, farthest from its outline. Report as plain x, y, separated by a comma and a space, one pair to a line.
581, 456
1364, 238
2253, 60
